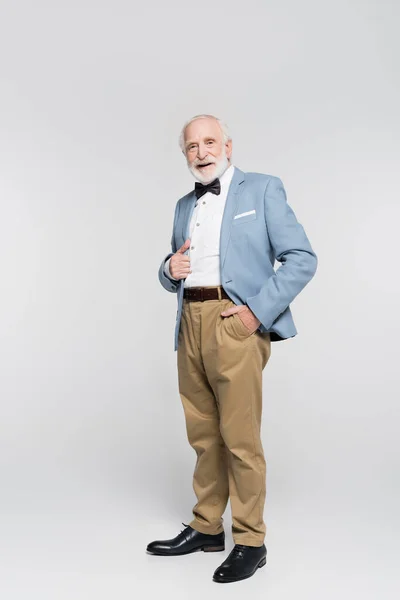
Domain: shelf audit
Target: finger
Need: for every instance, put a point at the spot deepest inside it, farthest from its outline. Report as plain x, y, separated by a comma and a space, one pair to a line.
180, 273
179, 261
179, 265
228, 312
184, 247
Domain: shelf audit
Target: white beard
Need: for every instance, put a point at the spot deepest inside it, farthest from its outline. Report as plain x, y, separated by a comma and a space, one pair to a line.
220, 167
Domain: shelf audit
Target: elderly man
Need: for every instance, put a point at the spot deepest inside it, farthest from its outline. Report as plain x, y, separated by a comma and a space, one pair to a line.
227, 234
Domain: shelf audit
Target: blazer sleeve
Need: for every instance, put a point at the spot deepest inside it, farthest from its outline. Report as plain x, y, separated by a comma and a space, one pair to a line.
170, 284
291, 248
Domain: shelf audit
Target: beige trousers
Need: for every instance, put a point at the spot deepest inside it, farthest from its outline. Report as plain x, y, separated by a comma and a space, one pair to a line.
220, 367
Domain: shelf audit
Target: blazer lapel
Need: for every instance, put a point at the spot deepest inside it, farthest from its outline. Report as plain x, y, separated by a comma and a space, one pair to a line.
234, 191
188, 215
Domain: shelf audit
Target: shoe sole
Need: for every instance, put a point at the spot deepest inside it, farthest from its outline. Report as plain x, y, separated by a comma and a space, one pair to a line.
262, 563
201, 548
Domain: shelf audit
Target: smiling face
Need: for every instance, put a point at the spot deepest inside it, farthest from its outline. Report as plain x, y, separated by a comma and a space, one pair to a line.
207, 155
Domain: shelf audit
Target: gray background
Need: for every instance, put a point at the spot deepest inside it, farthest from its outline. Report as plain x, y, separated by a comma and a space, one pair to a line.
94, 457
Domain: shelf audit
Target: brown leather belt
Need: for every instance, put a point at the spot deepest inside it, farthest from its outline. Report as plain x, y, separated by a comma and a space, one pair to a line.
199, 294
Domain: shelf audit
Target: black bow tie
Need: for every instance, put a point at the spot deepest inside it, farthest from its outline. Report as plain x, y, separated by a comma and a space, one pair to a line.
214, 187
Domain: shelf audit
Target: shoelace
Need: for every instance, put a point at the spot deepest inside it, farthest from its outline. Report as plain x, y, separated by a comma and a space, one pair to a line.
237, 550
185, 526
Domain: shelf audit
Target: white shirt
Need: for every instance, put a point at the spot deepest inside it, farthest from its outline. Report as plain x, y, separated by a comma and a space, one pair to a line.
204, 234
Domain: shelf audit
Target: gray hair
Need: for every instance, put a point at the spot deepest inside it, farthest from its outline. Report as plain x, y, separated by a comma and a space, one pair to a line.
224, 128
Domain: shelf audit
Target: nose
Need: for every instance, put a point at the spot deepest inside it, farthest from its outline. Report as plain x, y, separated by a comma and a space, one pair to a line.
201, 151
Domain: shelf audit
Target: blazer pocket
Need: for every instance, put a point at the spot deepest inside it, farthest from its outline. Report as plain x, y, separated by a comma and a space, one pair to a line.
244, 218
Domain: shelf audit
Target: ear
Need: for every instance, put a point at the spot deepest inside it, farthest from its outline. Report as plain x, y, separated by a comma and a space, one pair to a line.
228, 148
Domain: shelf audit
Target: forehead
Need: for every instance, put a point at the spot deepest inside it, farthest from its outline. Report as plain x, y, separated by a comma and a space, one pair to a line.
201, 128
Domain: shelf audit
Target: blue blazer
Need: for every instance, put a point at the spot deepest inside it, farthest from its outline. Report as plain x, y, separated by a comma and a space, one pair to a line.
249, 246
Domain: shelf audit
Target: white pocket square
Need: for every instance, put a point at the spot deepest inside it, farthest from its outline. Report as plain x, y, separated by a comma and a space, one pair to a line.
249, 212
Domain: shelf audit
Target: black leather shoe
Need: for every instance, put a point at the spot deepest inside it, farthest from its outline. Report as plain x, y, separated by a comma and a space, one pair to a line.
242, 562
188, 540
